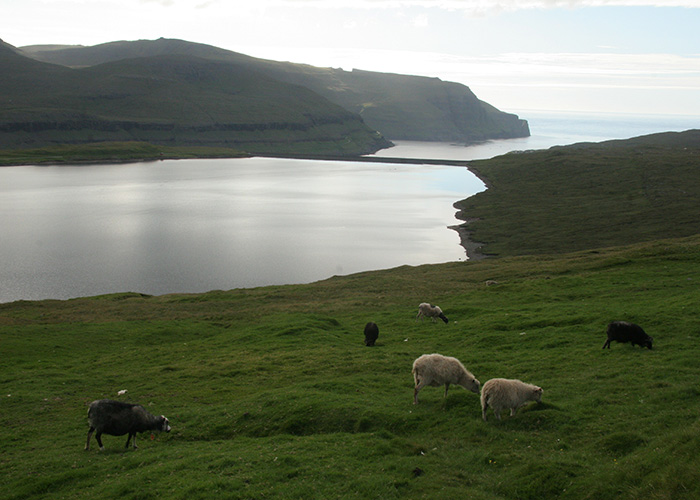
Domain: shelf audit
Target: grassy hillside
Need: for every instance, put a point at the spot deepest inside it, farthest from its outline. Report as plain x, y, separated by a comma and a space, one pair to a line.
272, 394
109, 152
172, 100
587, 196
399, 106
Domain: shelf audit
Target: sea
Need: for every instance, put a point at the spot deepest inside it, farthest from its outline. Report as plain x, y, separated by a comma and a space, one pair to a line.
548, 129
190, 226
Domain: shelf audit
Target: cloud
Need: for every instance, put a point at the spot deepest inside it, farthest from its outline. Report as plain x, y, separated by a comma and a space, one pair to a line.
420, 21
484, 5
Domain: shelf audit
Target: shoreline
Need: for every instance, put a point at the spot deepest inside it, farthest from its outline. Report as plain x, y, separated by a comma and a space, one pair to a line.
471, 247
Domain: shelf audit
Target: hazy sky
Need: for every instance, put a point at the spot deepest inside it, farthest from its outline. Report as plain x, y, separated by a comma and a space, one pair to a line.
637, 56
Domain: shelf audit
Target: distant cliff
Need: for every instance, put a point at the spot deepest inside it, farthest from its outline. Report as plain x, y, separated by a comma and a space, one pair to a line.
398, 106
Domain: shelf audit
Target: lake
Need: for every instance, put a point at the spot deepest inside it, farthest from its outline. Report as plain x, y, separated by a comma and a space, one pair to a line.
199, 225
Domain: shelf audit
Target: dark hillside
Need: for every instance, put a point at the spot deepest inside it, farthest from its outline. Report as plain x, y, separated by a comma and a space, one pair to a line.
587, 196
170, 100
76, 56
399, 106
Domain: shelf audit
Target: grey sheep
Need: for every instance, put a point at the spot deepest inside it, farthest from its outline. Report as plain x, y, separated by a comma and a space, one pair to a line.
622, 331
436, 370
371, 334
426, 310
117, 418
501, 393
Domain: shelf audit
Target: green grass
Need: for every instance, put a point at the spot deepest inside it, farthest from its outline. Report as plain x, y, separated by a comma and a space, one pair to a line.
108, 152
272, 394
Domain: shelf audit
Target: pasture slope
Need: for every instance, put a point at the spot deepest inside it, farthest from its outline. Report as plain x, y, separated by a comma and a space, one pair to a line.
271, 392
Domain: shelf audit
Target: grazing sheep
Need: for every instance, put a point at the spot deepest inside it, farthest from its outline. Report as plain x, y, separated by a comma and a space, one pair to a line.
371, 334
429, 311
117, 418
501, 393
622, 331
436, 370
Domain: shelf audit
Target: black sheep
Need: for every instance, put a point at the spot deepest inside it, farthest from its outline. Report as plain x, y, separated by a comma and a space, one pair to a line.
371, 334
117, 418
622, 331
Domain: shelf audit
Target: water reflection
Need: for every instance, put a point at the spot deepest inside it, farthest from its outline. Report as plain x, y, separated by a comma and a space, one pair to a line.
198, 225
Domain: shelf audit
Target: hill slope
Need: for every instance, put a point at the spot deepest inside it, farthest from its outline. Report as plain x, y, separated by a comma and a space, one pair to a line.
272, 394
399, 106
586, 196
170, 100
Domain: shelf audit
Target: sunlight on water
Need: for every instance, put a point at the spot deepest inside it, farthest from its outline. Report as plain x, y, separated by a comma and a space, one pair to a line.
548, 129
198, 225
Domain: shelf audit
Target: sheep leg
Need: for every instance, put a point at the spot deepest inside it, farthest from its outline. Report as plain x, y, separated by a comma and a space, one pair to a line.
512, 411
89, 435
98, 438
128, 439
607, 344
483, 411
419, 385
497, 413
447, 386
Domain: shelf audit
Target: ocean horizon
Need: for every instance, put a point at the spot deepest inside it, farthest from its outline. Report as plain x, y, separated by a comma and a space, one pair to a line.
548, 129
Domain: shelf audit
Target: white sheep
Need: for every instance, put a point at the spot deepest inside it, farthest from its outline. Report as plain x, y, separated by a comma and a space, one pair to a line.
501, 393
426, 310
436, 370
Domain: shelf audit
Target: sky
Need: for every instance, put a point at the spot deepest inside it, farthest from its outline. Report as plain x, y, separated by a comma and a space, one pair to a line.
612, 56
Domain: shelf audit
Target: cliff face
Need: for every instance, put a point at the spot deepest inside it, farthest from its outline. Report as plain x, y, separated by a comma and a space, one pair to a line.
428, 109
398, 106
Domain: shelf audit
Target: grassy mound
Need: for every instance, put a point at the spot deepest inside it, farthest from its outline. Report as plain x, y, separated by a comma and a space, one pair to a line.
587, 195
272, 394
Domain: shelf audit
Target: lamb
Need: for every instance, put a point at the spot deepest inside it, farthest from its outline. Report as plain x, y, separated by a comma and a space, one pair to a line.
622, 331
501, 393
429, 311
371, 334
436, 370
117, 418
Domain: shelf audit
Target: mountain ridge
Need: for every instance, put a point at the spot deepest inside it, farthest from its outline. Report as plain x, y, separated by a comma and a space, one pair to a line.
170, 100
400, 107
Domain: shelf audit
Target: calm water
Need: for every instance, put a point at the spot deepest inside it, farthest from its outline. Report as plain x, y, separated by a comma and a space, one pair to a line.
199, 225
550, 129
